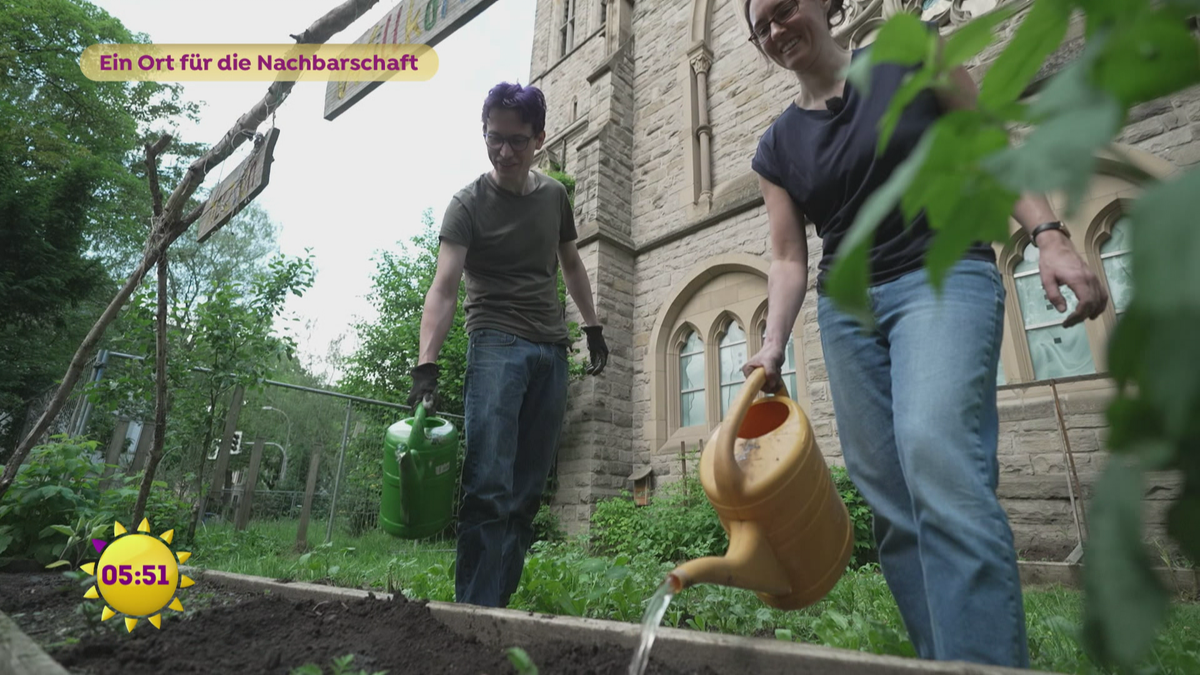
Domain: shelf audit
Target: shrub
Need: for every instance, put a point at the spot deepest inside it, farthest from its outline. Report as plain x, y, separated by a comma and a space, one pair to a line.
680, 524
57, 501
860, 515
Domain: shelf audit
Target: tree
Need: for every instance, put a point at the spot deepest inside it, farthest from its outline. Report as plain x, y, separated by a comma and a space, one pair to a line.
69, 202
389, 345
966, 177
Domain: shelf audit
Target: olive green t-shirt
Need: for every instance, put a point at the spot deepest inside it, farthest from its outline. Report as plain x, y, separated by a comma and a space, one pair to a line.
511, 267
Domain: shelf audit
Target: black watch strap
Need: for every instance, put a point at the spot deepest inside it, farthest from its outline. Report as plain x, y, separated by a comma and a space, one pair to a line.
1053, 225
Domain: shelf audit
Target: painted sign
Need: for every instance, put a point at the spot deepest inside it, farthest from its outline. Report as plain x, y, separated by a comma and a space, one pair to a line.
426, 22
239, 188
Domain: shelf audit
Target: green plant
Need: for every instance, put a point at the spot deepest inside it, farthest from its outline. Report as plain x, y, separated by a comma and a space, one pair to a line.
546, 525
860, 515
967, 178
341, 666
521, 661
59, 482
678, 524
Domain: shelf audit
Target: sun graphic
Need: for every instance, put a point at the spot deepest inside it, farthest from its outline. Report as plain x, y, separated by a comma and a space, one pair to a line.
138, 575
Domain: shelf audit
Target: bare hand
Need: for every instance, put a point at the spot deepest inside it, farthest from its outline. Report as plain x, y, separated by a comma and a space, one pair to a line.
1059, 264
770, 359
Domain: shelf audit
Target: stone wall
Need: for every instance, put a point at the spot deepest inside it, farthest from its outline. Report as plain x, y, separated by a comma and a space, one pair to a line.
649, 242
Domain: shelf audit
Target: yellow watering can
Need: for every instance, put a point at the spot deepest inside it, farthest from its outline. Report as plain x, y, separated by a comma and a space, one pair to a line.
790, 536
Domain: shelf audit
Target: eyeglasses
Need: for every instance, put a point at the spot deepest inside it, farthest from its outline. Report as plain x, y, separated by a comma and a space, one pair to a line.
496, 141
783, 12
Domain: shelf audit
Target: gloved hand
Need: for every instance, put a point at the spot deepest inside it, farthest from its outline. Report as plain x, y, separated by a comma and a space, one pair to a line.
424, 389
598, 349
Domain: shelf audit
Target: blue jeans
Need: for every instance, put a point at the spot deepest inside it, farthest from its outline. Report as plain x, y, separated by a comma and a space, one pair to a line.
515, 395
915, 402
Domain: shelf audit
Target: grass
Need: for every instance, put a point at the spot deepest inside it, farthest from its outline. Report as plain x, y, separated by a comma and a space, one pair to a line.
563, 578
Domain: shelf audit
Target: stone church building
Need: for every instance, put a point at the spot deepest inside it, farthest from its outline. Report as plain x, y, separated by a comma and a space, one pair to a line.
655, 108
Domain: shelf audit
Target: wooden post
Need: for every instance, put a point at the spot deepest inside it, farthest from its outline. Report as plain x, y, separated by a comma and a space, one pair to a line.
243, 514
218, 481
143, 449
309, 491
115, 447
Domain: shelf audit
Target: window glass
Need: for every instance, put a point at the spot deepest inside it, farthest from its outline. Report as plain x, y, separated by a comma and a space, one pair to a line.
1055, 351
732, 355
1115, 257
691, 381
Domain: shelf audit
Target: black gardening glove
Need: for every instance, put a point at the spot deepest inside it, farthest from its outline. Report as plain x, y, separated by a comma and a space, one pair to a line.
598, 349
425, 381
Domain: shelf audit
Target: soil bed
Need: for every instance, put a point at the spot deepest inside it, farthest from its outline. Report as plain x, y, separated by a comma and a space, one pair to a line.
233, 632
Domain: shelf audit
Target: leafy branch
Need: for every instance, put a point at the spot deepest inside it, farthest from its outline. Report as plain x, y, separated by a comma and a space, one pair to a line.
966, 177
170, 223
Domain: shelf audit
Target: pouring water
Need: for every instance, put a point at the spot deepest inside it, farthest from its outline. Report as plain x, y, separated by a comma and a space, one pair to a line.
650, 623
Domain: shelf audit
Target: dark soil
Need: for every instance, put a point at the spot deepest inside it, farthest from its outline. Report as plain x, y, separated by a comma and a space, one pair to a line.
230, 632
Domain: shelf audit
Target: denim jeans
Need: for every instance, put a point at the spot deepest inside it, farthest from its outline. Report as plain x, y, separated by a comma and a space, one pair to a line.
915, 402
515, 395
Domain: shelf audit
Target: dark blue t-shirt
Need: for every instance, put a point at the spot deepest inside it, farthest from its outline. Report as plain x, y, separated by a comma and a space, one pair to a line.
827, 163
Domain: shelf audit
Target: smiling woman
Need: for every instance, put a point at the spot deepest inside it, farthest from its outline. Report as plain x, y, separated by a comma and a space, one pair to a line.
914, 396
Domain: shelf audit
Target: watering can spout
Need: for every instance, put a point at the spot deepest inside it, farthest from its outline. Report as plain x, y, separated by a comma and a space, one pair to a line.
750, 563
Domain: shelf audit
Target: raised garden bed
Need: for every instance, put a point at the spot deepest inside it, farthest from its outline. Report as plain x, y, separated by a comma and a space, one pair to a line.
250, 624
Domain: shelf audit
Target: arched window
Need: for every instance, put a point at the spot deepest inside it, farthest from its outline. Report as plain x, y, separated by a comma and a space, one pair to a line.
1115, 258
1054, 350
732, 356
691, 381
788, 369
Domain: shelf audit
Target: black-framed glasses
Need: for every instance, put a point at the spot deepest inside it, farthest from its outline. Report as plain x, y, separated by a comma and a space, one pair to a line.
783, 12
496, 141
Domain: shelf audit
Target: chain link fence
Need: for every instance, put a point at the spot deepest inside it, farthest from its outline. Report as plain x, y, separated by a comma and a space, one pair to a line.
239, 455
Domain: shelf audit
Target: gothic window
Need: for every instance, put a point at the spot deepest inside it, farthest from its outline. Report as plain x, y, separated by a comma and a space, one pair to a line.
1115, 259
567, 30
1055, 351
691, 381
788, 369
731, 357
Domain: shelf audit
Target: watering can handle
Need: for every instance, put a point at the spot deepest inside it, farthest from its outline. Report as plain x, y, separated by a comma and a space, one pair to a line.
727, 474
419, 418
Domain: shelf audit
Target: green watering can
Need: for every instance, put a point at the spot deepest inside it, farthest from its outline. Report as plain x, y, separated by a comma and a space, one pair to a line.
420, 474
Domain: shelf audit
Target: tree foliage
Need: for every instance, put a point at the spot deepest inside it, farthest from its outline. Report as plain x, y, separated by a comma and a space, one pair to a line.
967, 178
74, 205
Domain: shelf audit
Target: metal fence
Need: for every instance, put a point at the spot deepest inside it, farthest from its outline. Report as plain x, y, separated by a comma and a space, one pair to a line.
247, 454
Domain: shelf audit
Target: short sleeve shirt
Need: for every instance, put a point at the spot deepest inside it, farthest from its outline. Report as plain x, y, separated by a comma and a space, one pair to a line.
827, 162
511, 267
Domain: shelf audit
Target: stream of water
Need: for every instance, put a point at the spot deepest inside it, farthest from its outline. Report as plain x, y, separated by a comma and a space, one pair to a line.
650, 623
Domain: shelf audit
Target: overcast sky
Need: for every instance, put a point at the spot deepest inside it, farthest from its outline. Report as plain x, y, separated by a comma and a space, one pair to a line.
352, 186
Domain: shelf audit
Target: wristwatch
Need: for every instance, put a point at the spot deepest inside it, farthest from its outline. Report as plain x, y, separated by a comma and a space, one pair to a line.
1053, 225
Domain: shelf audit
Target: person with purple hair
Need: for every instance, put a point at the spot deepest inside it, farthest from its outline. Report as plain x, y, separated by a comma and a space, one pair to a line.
507, 232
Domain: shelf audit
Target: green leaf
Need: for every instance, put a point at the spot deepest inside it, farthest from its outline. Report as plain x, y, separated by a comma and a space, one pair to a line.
1124, 600
848, 278
61, 529
1060, 154
903, 40
968, 40
5, 540
913, 84
60, 563
1039, 34
1154, 56
982, 215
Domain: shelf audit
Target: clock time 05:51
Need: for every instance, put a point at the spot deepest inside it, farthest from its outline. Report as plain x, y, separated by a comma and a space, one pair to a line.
112, 573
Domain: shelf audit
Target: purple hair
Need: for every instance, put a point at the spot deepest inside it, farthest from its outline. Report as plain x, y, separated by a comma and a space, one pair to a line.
529, 103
